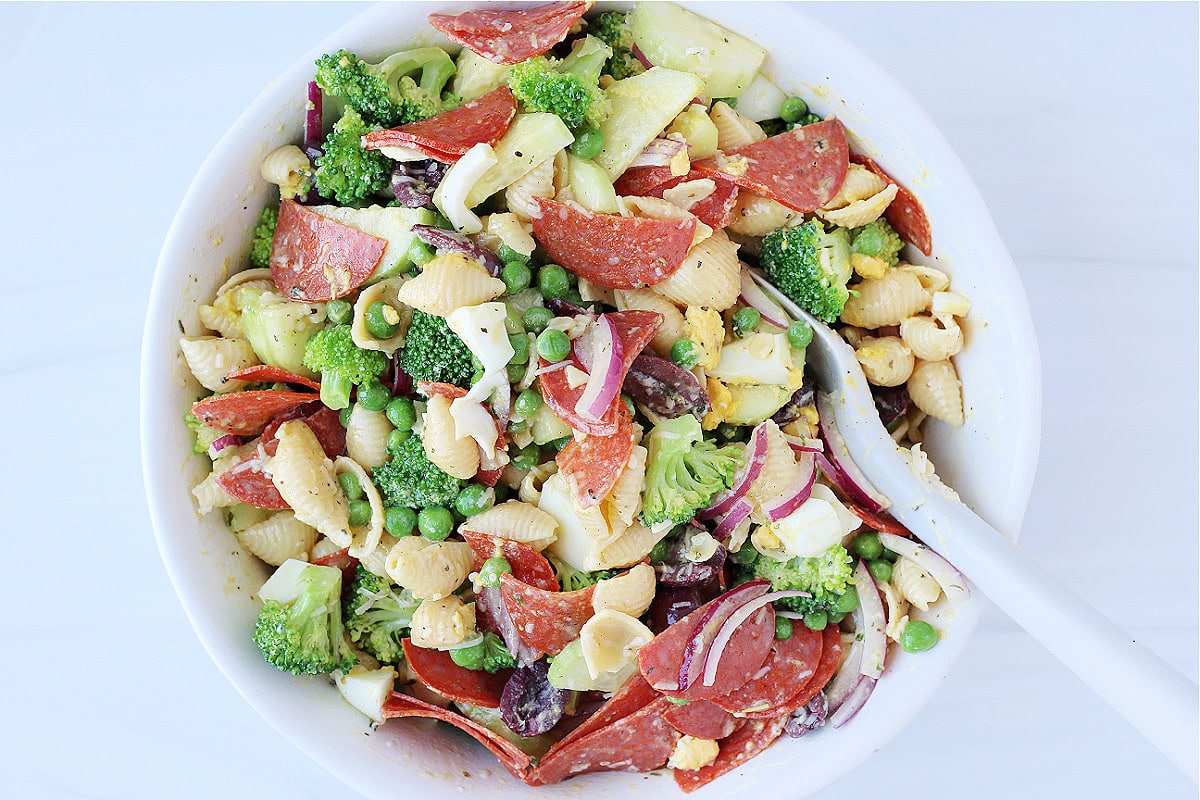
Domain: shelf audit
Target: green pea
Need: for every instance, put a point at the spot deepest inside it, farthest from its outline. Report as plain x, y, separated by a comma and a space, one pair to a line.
553, 345
880, 570
918, 636
507, 254
527, 403
793, 109
553, 282
383, 320
799, 334
520, 346
339, 312
360, 512
350, 486
373, 396
588, 143
685, 353
491, 570
516, 373
525, 458
344, 415
419, 253
868, 545
516, 276
435, 523
745, 321
890, 555
783, 628
399, 521
658, 553
402, 413
745, 556
537, 318
816, 620
847, 601
475, 498
397, 438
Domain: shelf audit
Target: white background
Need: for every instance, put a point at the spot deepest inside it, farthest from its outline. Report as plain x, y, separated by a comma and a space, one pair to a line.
1078, 122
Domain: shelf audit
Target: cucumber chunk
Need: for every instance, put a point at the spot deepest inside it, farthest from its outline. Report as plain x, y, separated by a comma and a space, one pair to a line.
642, 106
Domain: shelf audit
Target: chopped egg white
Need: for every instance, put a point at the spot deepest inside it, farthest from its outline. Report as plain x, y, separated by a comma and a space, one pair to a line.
367, 689
762, 358
818, 524
451, 194
482, 330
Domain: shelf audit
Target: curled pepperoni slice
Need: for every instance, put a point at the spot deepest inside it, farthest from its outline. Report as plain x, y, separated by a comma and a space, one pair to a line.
314, 258
509, 37
611, 250
247, 413
714, 210
264, 373
320, 419
741, 746
546, 620
905, 212
790, 665
802, 168
593, 464
528, 565
430, 388
877, 522
512, 757
702, 719
635, 695
340, 559
449, 135
639, 742
831, 656
437, 670
248, 483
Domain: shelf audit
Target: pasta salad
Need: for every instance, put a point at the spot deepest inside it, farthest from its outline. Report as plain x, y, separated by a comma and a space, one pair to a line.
531, 451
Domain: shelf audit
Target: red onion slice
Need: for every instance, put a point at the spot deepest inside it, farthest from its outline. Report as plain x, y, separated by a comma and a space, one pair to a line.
953, 583
783, 507
855, 701
696, 653
745, 476
608, 360
640, 56
729, 522
872, 622
843, 471
753, 296
803, 444
659, 153
731, 625
848, 676
314, 122
223, 443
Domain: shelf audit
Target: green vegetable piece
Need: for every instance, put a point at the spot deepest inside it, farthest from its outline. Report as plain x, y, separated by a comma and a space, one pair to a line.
373, 395
397, 438
744, 556
685, 353
658, 553
508, 255
204, 435
401, 413
475, 498
918, 636
799, 334
612, 27
675, 37
433, 352
878, 239
346, 171
553, 282
492, 569
344, 415
541, 85
881, 570
847, 601
793, 109
342, 364
305, 636
746, 321
520, 346
420, 253
360, 513
727, 433
410, 479
553, 345
868, 545
836, 617
339, 311
527, 403
516, 276
826, 578
810, 266
559, 444
816, 620
489, 655
526, 457
404, 87
435, 523
588, 143
783, 628
278, 329
537, 318
378, 615
516, 372
399, 521
350, 486
684, 472
264, 237
383, 320
808, 119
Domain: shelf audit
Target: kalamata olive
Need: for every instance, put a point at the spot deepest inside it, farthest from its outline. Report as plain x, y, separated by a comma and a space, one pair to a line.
676, 569
564, 308
891, 402
414, 182
791, 409
395, 378
445, 241
807, 719
529, 705
664, 388
673, 604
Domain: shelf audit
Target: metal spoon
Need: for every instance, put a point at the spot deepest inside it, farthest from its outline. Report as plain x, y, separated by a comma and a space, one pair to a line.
1152, 696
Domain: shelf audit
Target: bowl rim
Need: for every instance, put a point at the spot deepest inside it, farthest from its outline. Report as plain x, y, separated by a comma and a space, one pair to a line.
1025, 443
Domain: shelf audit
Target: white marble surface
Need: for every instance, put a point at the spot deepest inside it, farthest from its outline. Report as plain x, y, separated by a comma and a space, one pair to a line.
1078, 122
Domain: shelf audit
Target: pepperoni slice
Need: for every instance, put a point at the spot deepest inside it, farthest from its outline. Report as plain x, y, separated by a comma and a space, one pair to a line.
323, 421
449, 135
247, 413
792, 662
248, 483
905, 213
430, 388
314, 258
528, 565
264, 373
510, 37
593, 464
635, 695
744, 744
342, 560
702, 719
546, 620
611, 250
802, 168
639, 742
714, 210
512, 757
831, 656
877, 522
437, 670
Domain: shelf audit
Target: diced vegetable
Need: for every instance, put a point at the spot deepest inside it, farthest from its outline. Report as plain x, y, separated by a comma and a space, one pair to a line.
641, 107
671, 36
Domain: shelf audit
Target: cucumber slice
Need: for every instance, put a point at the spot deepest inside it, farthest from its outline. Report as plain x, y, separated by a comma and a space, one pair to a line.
530, 140
761, 100
642, 106
590, 185
476, 76
670, 36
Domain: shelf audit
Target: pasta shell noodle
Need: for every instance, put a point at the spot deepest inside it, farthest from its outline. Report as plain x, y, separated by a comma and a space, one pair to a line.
454, 456
935, 389
305, 479
861, 212
884, 301
886, 361
709, 275
211, 358
449, 282
278, 538
930, 340
366, 436
518, 521
387, 292
365, 537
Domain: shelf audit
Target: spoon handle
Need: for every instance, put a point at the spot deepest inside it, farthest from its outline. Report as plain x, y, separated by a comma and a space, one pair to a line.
1152, 696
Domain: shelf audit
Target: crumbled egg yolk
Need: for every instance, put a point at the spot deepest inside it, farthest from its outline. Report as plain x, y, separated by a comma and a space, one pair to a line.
706, 328
693, 753
721, 401
868, 266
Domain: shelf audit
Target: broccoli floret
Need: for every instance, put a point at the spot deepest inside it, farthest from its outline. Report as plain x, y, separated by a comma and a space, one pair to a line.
877, 239
612, 28
378, 615
205, 435
433, 352
264, 235
410, 479
490, 655
541, 86
342, 364
402, 88
810, 266
571, 579
827, 577
306, 636
684, 472
347, 171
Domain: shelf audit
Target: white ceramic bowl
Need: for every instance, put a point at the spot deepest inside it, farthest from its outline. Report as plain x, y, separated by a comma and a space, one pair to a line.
990, 460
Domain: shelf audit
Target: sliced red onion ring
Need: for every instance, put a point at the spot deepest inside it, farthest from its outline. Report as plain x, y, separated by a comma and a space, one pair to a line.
782, 507
451, 242
847, 677
738, 512
608, 360
465, 643
732, 624
855, 701
871, 622
222, 443
314, 122
640, 56
659, 153
844, 472
753, 296
953, 583
802, 444
696, 653
746, 475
